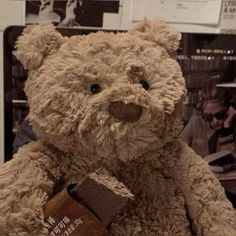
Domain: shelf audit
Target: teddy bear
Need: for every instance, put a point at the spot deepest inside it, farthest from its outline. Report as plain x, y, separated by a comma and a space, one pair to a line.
115, 101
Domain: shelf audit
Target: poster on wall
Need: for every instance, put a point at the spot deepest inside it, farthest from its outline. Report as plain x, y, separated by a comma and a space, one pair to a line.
70, 13
228, 17
178, 11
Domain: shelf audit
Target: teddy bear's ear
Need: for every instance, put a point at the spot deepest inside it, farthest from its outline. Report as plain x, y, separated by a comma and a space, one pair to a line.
37, 42
159, 32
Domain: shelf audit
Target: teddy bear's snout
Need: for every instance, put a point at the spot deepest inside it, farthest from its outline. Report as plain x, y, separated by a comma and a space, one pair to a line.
129, 112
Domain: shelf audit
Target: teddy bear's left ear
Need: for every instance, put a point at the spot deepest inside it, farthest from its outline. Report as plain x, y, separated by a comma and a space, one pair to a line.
37, 42
159, 32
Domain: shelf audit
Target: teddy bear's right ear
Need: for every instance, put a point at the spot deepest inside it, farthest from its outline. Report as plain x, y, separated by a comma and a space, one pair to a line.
158, 32
37, 42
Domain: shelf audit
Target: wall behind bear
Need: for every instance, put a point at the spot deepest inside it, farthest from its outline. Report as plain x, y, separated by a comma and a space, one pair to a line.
12, 12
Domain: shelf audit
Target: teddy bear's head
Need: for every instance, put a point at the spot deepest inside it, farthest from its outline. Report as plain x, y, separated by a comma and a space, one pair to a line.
104, 94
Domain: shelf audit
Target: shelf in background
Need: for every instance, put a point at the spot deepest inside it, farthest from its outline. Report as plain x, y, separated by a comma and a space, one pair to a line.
227, 85
20, 101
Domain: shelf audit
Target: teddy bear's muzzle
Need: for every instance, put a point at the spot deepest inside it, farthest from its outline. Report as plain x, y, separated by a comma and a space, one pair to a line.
129, 112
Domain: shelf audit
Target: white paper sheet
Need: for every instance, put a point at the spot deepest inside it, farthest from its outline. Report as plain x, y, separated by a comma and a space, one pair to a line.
228, 17
195, 28
178, 11
11, 13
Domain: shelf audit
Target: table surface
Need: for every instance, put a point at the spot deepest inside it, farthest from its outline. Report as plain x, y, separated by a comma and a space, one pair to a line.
228, 181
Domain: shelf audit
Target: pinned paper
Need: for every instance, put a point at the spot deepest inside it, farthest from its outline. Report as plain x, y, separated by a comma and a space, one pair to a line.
178, 11
228, 17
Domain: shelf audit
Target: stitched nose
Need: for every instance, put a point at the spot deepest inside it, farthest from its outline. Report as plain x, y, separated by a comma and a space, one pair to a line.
129, 112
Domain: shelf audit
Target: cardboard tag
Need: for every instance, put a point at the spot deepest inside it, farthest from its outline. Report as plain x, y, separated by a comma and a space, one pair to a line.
67, 217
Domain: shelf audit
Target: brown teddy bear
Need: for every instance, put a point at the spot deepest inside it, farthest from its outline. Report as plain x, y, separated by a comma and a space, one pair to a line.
114, 101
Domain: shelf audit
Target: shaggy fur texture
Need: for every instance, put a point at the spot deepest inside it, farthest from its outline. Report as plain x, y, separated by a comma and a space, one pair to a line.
172, 185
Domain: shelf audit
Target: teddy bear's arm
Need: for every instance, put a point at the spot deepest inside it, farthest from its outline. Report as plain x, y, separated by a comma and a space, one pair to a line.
210, 211
25, 186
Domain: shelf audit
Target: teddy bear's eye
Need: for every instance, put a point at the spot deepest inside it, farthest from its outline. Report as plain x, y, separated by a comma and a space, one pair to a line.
95, 88
144, 84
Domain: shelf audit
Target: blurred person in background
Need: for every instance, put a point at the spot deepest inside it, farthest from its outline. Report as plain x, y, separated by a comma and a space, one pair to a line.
213, 130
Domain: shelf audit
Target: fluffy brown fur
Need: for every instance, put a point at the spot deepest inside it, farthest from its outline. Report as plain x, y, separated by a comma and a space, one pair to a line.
78, 134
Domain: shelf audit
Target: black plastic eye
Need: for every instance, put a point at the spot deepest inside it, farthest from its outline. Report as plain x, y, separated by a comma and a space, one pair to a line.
95, 88
144, 84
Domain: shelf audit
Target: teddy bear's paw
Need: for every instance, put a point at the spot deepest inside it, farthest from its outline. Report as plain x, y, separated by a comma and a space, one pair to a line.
23, 223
